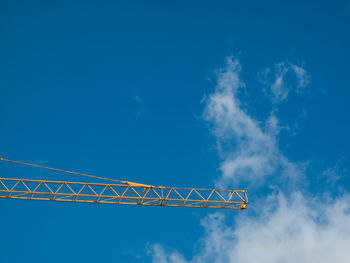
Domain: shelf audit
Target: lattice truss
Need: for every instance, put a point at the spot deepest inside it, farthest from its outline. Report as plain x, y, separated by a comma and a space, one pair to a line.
122, 194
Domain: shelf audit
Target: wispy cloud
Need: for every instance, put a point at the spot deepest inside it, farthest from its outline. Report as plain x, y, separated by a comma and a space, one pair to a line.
282, 78
138, 100
159, 255
249, 150
289, 230
333, 174
286, 226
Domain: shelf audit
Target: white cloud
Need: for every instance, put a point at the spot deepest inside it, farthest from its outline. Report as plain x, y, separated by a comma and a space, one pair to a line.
287, 229
277, 228
303, 78
160, 256
250, 152
282, 78
333, 174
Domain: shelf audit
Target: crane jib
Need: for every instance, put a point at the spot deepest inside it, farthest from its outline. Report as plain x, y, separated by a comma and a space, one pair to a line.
124, 192
121, 194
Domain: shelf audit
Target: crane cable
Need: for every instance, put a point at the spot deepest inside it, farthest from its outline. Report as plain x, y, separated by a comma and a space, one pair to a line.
87, 175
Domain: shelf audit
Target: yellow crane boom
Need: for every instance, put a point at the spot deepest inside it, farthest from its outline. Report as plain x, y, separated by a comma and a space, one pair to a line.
127, 193
121, 194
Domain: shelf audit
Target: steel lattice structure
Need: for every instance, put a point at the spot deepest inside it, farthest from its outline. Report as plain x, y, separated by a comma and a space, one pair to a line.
122, 194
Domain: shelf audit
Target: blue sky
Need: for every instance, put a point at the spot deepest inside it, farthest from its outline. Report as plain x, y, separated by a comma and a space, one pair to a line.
236, 94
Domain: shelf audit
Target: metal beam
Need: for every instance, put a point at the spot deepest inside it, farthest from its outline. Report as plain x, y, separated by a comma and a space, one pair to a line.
136, 194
